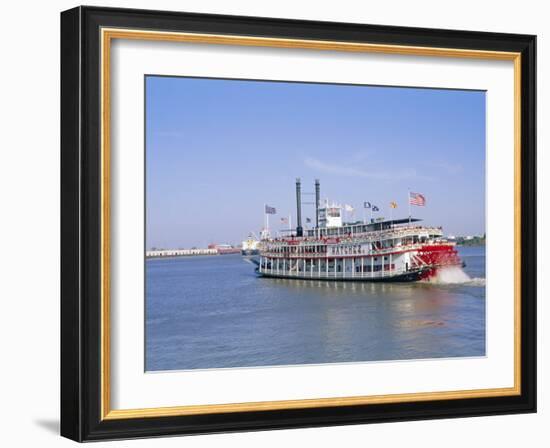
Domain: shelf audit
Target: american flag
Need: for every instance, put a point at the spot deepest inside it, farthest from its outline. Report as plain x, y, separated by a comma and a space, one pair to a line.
417, 199
270, 210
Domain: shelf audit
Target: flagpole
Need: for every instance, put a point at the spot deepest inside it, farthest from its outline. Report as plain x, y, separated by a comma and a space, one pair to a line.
409, 201
290, 223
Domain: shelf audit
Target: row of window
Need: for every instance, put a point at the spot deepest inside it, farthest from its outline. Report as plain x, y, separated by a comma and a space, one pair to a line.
339, 266
386, 257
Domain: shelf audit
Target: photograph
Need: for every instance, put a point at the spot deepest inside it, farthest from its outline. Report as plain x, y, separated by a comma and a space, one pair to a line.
297, 223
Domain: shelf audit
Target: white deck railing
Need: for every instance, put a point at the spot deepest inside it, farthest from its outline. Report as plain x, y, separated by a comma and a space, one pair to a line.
334, 275
370, 253
367, 237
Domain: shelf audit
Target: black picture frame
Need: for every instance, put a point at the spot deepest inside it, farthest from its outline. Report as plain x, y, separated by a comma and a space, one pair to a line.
81, 224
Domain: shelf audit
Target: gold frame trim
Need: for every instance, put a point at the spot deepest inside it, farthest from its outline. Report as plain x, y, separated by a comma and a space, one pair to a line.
107, 35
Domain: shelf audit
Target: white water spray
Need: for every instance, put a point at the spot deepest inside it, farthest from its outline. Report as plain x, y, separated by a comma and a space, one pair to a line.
451, 275
454, 275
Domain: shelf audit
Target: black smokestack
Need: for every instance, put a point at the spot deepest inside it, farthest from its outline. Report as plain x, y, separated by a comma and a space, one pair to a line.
317, 200
299, 229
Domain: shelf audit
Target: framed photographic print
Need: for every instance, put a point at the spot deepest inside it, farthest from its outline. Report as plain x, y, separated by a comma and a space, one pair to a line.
273, 223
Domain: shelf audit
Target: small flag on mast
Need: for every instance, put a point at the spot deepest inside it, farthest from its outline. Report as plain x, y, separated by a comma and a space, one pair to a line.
367, 205
308, 220
348, 208
417, 199
284, 220
375, 208
270, 210
393, 204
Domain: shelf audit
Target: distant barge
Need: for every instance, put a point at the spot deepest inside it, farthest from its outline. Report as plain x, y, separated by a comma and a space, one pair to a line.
397, 250
249, 247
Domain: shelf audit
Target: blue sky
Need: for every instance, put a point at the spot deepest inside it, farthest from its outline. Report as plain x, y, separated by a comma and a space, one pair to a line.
217, 150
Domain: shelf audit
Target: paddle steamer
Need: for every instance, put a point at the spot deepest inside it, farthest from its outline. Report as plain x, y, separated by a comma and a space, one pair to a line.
395, 250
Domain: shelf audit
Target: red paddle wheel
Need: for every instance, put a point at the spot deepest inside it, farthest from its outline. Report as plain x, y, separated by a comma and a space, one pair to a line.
435, 256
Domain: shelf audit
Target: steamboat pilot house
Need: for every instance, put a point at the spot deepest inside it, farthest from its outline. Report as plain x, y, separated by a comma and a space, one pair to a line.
387, 250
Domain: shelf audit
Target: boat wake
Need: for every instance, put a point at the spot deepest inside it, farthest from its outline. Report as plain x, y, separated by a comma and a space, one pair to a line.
253, 261
477, 281
454, 275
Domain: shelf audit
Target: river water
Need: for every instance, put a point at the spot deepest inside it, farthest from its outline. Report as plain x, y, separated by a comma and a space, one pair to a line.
213, 312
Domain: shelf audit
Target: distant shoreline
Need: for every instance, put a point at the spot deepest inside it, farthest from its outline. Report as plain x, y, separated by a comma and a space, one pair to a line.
171, 257
471, 241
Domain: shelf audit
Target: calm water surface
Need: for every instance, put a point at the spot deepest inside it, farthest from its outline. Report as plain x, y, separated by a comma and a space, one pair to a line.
212, 312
